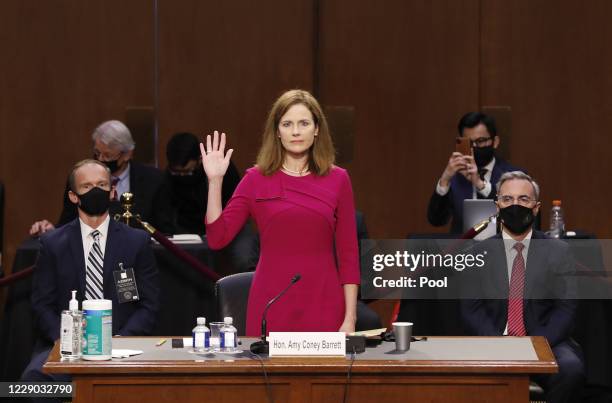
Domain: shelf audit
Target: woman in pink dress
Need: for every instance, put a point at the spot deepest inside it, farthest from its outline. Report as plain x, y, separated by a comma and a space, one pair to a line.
304, 210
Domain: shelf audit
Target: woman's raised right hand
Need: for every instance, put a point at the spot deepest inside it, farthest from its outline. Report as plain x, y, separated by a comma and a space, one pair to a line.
214, 158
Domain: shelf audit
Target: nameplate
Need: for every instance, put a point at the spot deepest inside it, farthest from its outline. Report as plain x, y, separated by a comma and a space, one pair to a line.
283, 344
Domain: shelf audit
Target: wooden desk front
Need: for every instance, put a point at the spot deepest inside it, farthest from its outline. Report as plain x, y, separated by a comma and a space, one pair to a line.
305, 379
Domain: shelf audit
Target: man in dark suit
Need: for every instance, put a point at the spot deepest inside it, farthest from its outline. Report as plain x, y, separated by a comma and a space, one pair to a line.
467, 177
66, 262
526, 286
113, 145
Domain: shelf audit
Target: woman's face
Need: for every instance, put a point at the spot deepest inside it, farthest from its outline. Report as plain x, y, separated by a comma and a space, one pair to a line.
297, 130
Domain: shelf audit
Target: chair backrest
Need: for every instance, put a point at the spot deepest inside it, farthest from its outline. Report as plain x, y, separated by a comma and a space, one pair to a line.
231, 296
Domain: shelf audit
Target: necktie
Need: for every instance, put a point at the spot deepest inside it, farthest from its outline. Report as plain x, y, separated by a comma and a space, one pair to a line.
482, 172
516, 325
114, 181
95, 261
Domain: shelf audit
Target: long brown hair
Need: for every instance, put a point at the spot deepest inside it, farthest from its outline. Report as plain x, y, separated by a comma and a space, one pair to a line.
271, 156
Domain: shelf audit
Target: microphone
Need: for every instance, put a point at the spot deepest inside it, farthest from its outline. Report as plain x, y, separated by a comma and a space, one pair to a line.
261, 346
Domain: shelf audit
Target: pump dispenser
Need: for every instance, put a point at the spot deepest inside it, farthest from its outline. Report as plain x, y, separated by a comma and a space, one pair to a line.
71, 332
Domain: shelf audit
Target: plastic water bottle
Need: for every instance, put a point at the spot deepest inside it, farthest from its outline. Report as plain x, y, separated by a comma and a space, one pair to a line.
557, 222
201, 336
228, 341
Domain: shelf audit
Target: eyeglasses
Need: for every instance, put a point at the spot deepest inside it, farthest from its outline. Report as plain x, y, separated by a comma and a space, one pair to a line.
523, 200
180, 173
100, 156
480, 142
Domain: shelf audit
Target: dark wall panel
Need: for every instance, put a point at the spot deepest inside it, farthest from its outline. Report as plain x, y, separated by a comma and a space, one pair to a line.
66, 66
410, 69
550, 61
222, 64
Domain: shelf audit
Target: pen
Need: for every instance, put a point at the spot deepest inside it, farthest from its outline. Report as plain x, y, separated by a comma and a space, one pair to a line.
160, 342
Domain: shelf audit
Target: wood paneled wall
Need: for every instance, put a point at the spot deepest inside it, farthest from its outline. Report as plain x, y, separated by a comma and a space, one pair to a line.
408, 68
66, 66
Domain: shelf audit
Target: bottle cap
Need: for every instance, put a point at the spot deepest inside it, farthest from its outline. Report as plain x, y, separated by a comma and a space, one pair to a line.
557, 203
201, 320
73, 305
228, 320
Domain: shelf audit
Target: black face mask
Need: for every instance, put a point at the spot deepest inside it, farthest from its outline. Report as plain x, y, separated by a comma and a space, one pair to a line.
187, 181
112, 165
95, 202
516, 218
483, 155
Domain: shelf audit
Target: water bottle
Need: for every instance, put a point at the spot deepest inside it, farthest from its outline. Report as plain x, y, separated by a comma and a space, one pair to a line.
557, 223
228, 341
201, 336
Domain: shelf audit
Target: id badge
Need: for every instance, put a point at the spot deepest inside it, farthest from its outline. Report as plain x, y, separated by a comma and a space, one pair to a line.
125, 284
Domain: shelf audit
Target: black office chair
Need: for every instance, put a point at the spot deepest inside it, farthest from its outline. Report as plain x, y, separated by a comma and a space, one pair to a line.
232, 295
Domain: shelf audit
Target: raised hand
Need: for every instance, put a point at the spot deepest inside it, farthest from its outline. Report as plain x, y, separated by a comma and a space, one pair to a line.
40, 227
456, 163
214, 159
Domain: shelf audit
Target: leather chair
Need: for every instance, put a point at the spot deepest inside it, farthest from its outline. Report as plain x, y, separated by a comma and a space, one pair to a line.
232, 295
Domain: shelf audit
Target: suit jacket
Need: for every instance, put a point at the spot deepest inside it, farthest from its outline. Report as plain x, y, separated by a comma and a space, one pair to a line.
548, 308
61, 268
151, 199
442, 208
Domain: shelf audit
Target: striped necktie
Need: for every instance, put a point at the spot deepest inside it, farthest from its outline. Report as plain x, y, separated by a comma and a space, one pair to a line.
94, 288
516, 324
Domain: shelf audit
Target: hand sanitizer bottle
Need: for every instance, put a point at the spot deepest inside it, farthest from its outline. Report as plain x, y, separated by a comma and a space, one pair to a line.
71, 332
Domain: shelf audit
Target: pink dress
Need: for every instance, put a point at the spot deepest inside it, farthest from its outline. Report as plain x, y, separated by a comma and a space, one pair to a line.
300, 219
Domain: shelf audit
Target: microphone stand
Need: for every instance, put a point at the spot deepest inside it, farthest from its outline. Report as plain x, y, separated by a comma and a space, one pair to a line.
263, 346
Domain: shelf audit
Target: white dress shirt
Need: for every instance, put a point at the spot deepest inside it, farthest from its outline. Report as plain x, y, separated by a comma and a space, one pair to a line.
88, 240
123, 185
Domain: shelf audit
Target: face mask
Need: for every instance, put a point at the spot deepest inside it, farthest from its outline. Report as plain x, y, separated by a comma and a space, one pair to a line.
95, 202
483, 155
196, 177
112, 165
516, 218
188, 180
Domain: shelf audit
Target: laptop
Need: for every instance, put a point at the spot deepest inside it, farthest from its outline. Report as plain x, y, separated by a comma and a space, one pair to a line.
476, 210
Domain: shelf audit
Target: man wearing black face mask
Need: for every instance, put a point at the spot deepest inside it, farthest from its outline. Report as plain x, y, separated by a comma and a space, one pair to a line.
113, 146
526, 286
84, 255
467, 177
188, 186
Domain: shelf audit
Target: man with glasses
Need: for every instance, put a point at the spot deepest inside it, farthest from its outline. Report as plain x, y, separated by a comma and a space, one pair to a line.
466, 176
113, 146
526, 287
188, 193
188, 185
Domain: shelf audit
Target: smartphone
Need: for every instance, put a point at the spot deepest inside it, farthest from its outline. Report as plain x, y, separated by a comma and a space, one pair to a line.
463, 146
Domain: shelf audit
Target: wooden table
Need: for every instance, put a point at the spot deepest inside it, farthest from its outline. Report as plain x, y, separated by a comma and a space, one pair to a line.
306, 379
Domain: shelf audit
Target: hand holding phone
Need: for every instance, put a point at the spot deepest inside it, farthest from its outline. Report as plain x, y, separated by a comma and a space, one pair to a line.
463, 146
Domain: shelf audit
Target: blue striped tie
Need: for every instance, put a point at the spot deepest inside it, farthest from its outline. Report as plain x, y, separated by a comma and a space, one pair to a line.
94, 288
